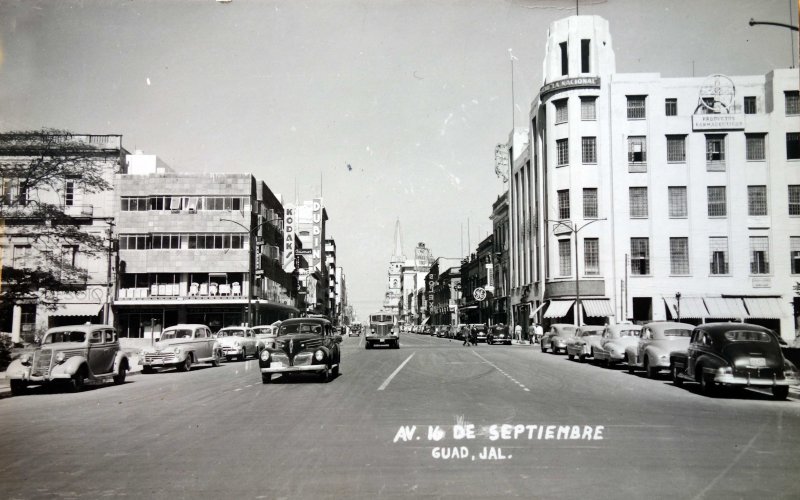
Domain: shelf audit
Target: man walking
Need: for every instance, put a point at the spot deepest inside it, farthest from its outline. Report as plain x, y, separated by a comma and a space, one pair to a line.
518, 333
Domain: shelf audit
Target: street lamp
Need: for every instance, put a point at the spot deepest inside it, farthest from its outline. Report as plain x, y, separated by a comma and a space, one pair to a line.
781, 25
678, 300
251, 251
574, 229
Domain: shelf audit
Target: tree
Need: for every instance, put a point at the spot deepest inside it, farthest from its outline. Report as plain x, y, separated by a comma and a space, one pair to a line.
40, 170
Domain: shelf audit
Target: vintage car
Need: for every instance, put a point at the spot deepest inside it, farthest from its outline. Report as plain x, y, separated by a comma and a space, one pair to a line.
355, 330
581, 344
480, 331
657, 341
556, 337
265, 335
180, 346
302, 345
614, 341
238, 342
72, 355
498, 334
736, 355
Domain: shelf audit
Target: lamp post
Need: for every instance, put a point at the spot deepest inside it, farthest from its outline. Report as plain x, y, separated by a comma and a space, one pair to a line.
678, 301
251, 258
574, 229
780, 25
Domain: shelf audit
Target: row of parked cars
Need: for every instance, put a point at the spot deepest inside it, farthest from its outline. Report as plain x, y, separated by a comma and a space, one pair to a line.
713, 355
496, 334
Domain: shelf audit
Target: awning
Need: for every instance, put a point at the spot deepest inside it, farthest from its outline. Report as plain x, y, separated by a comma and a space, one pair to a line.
691, 307
467, 307
721, 307
558, 308
77, 310
764, 307
597, 308
425, 321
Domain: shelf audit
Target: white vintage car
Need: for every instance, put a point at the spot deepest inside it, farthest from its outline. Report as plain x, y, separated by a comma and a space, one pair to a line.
658, 340
265, 336
581, 344
180, 346
237, 342
615, 339
72, 355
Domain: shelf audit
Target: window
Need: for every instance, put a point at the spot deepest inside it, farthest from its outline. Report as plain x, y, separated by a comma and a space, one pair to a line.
794, 254
563, 204
69, 193
717, 203
638, 202
794, 199
759, 255
718, 254
636, 109
793, 146
564, 258
750, 105
637, 154
564, 58
755, 147
562, 111
679, 255
591, 253
589, 203
640, 256
677, 201
562, 148
21, 257
588, 108
756, 200
715, 152
585, 52
589, 150
792, 102
132, 242
671, 106
68, 255
676, 148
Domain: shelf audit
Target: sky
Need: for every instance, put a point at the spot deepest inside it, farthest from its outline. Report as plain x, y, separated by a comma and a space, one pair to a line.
412, 95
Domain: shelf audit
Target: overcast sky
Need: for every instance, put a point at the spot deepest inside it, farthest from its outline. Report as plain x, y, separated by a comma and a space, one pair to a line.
413, 95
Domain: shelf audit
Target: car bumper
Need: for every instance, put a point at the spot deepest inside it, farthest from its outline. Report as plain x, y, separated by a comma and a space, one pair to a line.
41, 379
380, 340
754, 382
289, 369
231, 351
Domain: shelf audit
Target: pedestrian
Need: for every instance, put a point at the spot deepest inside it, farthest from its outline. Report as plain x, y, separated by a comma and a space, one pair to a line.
518, 333
467, 334
538, 332
473, 336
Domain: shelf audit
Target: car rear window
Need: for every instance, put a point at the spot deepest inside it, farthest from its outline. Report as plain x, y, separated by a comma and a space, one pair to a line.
677, 332
629, 333
747, 336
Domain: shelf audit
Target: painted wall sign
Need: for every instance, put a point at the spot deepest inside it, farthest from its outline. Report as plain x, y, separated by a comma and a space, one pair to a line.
316, 232
718, 122
289, 226
570, 83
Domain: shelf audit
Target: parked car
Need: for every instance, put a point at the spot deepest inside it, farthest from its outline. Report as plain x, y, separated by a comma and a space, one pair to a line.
265, 335
580, 345
441, 331
72, 355
427, 330
657, 341
480, 331
556, 337
238, 342
734, 355
354, 332
614, 342
180, 346
302, 345
498, 334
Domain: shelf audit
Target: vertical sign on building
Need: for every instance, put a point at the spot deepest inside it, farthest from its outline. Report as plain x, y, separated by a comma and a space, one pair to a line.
316, 232
289, 226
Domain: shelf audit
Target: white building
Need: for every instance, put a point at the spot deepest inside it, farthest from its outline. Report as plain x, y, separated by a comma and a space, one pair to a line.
685, 186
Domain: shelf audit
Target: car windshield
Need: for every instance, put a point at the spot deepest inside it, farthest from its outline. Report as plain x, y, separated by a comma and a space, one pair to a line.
747, 336
181, 333
57, 337
264, 335
629, 333
300, 328
566, 330
677, 332
380, 318
587, 333
238, 332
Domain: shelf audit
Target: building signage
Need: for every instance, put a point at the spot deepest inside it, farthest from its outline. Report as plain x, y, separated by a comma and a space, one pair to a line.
303, 251
289, 226
570, 83
723, 121
316, 232
479, 294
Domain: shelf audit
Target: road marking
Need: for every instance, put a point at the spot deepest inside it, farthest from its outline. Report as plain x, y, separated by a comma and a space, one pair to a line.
389, 379
506, 375
730, 465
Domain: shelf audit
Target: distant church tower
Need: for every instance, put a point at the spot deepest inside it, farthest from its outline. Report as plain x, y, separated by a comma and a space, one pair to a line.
394, 289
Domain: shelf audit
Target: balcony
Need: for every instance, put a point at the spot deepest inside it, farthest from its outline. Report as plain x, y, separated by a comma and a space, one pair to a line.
79, 210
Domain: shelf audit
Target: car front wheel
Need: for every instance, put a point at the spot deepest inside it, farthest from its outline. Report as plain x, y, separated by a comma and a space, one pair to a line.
676, 379
780, 392
325, 375
186, 365
119, 378
266, 378
18, 388
77, 382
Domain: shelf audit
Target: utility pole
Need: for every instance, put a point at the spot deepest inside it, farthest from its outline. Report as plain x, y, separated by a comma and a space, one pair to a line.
109, 287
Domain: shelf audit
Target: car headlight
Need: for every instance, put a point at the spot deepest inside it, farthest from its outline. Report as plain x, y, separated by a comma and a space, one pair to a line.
60, 357
789, 370
663, 357
725, 370
237, 344
25, 359
265, 355
319, 355
177, 351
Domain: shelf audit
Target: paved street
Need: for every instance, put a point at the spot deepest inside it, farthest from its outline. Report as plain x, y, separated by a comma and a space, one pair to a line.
219, 432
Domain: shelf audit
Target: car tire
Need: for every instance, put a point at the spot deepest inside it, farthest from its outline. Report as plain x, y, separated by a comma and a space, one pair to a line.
325, 375
367, 345
335, 371
77, 382
553, 349
186, 365
229, 358
119, 378
18, 388
215, 361
651, 371
266, 378
630, 365
676, 379
707, 384
780, 392
581, 358
148, 369
544, 349
570, 356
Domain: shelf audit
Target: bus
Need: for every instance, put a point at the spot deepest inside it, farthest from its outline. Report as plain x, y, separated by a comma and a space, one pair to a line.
382, 330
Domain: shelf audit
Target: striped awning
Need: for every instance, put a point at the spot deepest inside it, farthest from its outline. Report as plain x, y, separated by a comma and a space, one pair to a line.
764, 307
77, 310
722, 307
558, 308
691, 307
597, 308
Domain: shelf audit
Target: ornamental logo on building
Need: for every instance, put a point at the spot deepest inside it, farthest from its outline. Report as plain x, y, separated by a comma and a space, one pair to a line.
570, 83
716, 109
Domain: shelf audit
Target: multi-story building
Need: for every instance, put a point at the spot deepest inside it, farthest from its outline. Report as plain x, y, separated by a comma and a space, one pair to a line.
71, 203
413, 284
476, 279
333, 282
660, 198
524, 287
198, 248
311, 220
499, 288
442, 288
